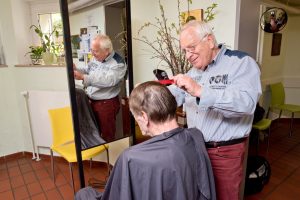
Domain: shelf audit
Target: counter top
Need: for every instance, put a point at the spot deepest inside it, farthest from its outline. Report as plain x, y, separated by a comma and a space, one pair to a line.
39, 66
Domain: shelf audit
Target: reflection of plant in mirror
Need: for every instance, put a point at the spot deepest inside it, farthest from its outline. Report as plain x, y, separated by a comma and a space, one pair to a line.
35, 54
47, 39
122, 36
166, 47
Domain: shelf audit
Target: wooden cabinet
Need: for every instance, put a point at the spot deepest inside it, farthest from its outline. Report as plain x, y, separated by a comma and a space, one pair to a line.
181, 117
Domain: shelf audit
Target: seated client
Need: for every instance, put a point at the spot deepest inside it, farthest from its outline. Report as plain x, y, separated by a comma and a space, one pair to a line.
173, 164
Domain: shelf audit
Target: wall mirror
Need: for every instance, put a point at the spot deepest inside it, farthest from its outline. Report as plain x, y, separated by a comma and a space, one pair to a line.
83, 20
273, 20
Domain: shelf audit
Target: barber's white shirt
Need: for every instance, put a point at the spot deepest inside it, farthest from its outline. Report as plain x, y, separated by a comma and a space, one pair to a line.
231, 88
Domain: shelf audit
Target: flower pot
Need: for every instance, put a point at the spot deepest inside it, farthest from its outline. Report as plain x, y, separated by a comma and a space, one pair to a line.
36, 60
61, 60
49, 58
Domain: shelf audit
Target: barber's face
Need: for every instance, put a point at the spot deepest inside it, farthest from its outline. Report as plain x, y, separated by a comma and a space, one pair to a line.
99, 54
198, 51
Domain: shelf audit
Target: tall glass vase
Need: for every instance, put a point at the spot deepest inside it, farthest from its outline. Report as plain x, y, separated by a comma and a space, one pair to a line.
49, 58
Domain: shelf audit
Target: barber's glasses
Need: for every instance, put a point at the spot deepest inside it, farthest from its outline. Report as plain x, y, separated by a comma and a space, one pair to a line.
192, 48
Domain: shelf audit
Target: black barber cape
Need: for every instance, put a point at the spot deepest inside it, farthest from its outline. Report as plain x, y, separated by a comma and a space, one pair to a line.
89, 131
174, 165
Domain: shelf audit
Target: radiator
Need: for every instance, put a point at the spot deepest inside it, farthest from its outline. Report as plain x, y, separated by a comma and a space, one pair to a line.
37, 104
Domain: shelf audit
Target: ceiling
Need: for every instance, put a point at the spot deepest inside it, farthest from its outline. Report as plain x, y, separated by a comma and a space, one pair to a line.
292, 7
292, 3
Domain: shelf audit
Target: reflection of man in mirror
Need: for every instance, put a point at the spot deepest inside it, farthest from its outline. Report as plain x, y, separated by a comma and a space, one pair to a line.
271, 26
173, 164
102, 78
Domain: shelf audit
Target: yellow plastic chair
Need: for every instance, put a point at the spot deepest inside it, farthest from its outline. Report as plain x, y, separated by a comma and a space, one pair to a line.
262, 125
63, 140
278, 102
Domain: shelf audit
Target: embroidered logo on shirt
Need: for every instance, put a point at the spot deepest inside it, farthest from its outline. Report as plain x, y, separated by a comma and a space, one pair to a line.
92, 66
219, 81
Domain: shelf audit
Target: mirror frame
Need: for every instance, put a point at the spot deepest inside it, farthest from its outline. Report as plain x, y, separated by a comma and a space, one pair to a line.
71, 82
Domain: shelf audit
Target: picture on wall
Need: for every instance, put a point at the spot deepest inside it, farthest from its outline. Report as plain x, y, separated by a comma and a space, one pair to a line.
2, 56
75, 45
83, 31
192, 15
276, 44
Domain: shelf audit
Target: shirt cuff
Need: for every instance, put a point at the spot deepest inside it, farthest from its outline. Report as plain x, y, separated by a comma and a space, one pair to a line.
208, 97
86, 81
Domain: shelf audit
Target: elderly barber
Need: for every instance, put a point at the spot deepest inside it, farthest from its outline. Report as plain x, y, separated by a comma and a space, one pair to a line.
220, 93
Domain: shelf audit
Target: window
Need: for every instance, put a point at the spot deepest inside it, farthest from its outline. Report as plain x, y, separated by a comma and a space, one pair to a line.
48, 23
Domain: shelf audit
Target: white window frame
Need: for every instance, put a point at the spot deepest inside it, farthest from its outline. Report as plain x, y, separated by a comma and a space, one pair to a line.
41, 7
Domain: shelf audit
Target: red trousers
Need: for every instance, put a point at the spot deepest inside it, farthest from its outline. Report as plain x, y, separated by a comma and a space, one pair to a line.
106, 112
227, 163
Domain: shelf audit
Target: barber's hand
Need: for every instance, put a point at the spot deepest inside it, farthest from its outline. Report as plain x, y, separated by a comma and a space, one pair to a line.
188, 84
78, 75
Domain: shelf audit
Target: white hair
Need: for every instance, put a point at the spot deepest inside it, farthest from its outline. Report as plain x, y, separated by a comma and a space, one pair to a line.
104, 42
200, 27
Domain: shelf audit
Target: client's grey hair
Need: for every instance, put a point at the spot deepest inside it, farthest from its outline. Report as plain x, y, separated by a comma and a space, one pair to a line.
155, 100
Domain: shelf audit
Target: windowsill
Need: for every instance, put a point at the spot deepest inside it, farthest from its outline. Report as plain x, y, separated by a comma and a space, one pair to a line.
40, 66
3, 66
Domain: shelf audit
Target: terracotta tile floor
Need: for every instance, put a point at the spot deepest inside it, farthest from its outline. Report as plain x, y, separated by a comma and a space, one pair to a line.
24, 178
284, 157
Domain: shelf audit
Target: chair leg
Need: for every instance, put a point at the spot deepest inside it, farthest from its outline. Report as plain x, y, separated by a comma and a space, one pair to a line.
108, 165
52, 165
268, 112
291, 125
268, 144
71, 174
280, 114
91, 162
257, 145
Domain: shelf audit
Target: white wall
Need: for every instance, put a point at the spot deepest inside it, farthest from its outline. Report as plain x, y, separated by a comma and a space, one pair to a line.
21, 14
292, 64
272, 66
291, 68
248, 26
10, 124
113, 16
91, 17
143, 65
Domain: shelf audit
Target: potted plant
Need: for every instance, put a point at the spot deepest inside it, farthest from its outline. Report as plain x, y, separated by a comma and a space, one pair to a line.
35, 54
50, 49
166, 45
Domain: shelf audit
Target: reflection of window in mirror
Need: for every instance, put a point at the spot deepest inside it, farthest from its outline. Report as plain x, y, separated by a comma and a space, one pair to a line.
49, 22
46, 19
48, 16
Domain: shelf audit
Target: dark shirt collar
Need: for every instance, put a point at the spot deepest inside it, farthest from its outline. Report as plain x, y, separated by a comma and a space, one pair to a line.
109, 57
218, 56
